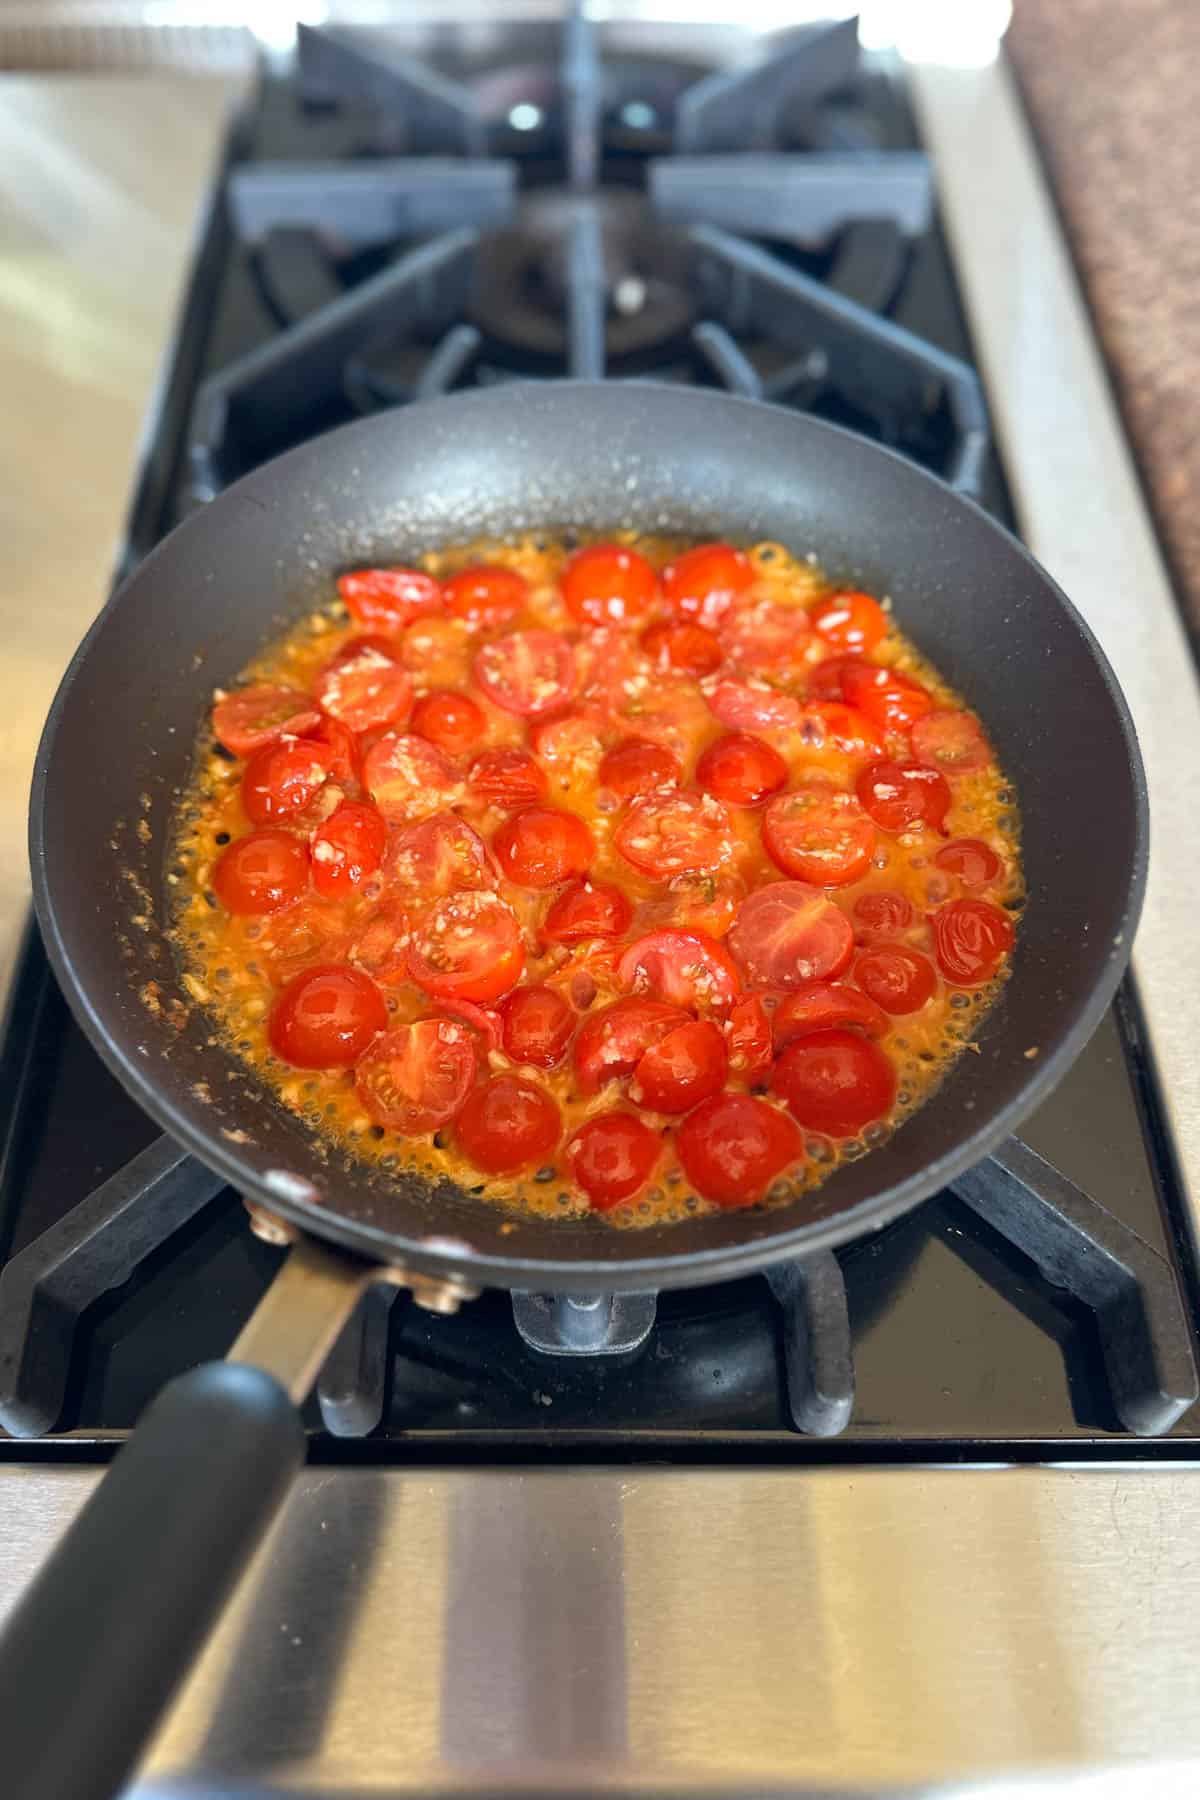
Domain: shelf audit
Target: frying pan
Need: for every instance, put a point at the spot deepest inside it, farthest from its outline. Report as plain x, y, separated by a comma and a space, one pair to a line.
112, 1623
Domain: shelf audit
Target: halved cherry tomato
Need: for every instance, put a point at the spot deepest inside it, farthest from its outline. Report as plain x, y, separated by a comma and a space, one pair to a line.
486, 595
417, 1077
381, 945
830, 725
507, 1124
506, 777
261, 872
822, 1005
951, 741
606, 584
305, 934
835, 1082
899, 796
704, 582
611, 666
744, 707
788, 933
666, 834
467, 947
611, 1157
327, 1017
763, 634
574, 741
536, 1026
741, 769
884, 911
527, 672
850, 621
683, 646
827, 680
389, 599
283, 778
820, 835
892, 701
750, 1044
611, 1042
339, 740
450, 720
637, 767
347, 848
684, 967
482, 1020
438, 856
898, 979
587, 909
407, 778
733, 1147
542, 846
683, 1068
698, 900
969, 939
253, 716
974, 862
364, 687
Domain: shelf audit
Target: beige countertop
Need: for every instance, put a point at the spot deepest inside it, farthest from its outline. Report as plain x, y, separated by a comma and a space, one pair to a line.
101, 178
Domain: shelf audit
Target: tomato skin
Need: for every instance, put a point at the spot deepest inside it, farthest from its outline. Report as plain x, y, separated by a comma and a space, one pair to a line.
364, 687
407, 777
683, 646
327, 1017
251, 717
827, 680
284, 778
606, 584
682, 967
970, 937
884, 912
823, 1006
485, 595
744, 707
467, 947
507, 1124
637, 766
788, 933
686, 1066
703, 582
536, 1026
438, 856
416, 1077
898, 979
900, 796
529, 673
740, 769
506, 777
611, 1157
750, 1042
339, 740
835, 1082
389, 599
764, 634
950, 741
892, 701
670, 834
261, 873
585, 910
850, 622
450, 720
380, 946
819, 835
540, 847
733, 1147
610, 1042
974, 862
831, 725
347, 848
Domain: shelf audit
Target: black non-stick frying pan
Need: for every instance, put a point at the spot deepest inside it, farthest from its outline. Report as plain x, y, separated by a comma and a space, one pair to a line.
128, 1597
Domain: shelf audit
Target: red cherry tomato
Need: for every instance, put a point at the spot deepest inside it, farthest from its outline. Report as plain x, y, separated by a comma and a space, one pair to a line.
744, 707
486, 595
969, 939
666, 834
835, 1082
698, 901
830, 725
283, 778
820, 835
310, 932
261, 873
703, 583
688, 648
763, 634
536, 1026
573, 742
892, 701
684, 967
481, 1020
899, 796
610, 1157
638, 767
253, 716
950, 741
506, 777
417, 1077
822, 1005
740, 769
974, 862
750, 1044
467, 947
606, 584
788, 933
611, 1042
585, 910
339, 740
682, 1069
381, 945
507, 1124
541, 847
527, 672
733, 1147
327, 1017
389, 599
407, 778
347, 848
850, 621
827, 680
438, 856
898, 979
450, 720
363, 687
884, 912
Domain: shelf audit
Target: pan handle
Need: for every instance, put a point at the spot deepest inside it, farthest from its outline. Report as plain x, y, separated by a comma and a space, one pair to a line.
102, 1638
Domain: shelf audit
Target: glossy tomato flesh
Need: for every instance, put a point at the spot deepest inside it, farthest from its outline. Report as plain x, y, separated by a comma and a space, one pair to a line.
284, 778
587, 909
506, 777
467, 947
347, 849
612, 1156
529, 673
437, 856
450, 720
821, 1006
364, 687
668, 834
508, 1124
416, 1078
685, 968
389, 599
536, 1026
686, 1066
819, 835
541, 847
741, 769
734, 1146
326, 1017
637, 766
970, 938
684, 646
974, 862
788, 933
899, 796
253, 716
261, 872
835, 1082
610, 1042
898, 979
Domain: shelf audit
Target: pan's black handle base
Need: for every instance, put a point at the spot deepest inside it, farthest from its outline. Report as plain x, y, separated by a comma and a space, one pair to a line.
818, 1355
98, 1644
1078, 1245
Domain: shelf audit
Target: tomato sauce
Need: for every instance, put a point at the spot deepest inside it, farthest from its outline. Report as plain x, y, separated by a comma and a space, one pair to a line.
642, 878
